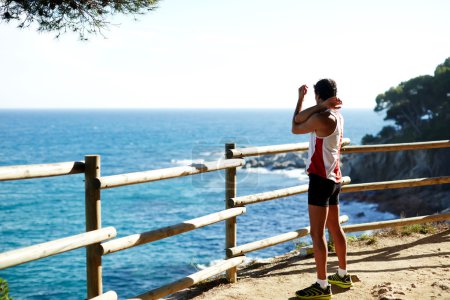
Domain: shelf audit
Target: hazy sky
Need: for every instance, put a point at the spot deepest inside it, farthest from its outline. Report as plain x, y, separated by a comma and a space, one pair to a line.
213, 53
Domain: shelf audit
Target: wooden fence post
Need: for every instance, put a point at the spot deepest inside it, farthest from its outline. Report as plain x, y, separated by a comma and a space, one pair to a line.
93, 222
230, 224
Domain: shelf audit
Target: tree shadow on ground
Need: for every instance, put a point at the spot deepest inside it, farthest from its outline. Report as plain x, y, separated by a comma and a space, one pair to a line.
258, 270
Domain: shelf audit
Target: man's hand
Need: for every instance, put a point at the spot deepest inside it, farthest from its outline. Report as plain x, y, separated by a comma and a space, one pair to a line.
333, 103
302, 91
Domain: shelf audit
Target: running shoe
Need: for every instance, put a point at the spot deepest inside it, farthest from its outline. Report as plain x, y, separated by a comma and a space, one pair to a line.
343, 282
314, 292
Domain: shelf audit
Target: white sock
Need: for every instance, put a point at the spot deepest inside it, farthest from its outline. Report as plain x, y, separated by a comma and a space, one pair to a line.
342, 272
323, 283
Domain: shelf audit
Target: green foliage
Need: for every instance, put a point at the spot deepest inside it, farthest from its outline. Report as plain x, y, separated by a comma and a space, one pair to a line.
4, 290
368, 239
82, 16
419, 107
351, 239
443, 68
417, 228
331, 247
407, 230
300, 244
369, 139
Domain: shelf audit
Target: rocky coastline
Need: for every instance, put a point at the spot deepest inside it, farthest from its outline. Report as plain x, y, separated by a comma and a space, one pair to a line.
384, 166
286, 161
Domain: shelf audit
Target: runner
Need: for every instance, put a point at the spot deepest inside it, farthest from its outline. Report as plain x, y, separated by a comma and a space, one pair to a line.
326, 124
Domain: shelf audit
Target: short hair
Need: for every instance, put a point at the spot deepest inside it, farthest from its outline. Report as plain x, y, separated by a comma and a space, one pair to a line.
325, 88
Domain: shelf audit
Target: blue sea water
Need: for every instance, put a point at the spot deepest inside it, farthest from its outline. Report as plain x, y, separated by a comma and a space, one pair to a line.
38, 210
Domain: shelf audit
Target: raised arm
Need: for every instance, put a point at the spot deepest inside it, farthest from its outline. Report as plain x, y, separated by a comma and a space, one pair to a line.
301, 96
313, 123
301, 117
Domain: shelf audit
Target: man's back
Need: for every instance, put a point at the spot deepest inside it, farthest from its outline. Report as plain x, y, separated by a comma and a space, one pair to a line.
325, 145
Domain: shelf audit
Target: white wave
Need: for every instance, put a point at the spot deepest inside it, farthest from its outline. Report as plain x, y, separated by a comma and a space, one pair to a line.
206, 157
247, 261
186, 162
299, 174
211, 154
293, 173
210, 264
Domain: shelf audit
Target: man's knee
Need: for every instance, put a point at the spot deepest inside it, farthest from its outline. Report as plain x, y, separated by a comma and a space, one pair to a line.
337, 234
334, 226
317, 234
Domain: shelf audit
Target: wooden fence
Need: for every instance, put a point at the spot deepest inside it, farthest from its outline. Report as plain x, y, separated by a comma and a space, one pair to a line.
100, 241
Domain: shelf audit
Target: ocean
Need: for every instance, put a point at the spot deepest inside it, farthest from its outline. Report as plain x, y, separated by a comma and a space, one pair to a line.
39, 210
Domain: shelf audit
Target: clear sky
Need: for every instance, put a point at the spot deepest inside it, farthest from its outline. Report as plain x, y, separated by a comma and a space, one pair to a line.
215, 54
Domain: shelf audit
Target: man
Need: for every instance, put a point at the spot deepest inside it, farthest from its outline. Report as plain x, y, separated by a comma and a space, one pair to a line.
325, 124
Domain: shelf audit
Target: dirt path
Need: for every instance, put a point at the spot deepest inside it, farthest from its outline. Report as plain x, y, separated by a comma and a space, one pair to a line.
412, 267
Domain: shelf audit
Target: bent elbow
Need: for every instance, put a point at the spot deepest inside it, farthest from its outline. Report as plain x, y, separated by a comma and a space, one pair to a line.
298, 120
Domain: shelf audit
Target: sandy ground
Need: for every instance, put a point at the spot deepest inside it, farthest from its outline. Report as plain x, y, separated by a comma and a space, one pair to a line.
395, 267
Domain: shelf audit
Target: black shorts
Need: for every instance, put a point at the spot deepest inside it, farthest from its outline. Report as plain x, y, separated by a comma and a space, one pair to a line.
322, 191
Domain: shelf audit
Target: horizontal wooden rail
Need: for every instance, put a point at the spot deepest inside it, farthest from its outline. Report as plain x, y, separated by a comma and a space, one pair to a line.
273, 149
272, 241
41, 170
396, 222
396, 147
395, 184
158, 234
111, 295
160, 174
191, 279
266, 196
27, 254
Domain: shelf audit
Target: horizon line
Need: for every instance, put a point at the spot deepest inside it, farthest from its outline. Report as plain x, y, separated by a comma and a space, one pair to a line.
158, 108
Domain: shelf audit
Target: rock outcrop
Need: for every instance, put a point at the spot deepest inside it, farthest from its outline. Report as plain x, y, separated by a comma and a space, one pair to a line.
287, 161
384, 166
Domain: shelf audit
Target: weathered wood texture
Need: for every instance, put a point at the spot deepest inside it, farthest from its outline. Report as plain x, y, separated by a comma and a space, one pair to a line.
111, 295
396, 222
41, 170
160, 174
191, 279
35, 252
230, 224
93, 216
161, 233
272, 241
396, 147
273, 149
266, 196
395, 184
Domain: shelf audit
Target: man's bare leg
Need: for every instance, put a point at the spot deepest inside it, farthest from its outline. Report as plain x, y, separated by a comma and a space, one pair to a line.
335, 229
317, 220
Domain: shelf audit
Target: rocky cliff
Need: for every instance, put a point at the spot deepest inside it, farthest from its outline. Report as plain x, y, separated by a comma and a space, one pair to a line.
285, 161
384, 166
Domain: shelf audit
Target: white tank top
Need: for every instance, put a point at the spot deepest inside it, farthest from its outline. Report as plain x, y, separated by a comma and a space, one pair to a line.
324, 152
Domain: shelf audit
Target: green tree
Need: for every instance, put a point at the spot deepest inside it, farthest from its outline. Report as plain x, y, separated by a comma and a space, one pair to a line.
419, 108
81, 16
441, 90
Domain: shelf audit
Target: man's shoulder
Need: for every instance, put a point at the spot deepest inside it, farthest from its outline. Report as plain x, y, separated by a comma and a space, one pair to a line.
324, 119
324, 116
